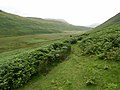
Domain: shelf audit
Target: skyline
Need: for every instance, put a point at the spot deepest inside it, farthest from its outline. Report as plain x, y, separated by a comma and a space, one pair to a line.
76, 12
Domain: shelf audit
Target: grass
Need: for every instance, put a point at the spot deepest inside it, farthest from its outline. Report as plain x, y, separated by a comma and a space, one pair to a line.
11, 46
13, 25
78, 73
103, 41
110, 22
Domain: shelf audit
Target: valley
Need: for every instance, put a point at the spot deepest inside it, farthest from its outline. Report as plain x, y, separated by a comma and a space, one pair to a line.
48, 54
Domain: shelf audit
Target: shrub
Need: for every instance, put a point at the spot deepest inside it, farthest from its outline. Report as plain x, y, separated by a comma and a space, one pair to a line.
18, 72
111, 86
90, 82
73, 41
104, 43
70, 35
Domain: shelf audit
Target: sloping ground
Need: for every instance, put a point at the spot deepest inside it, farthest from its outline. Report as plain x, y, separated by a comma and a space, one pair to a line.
79, 73
13, 25
111, 21
103, 41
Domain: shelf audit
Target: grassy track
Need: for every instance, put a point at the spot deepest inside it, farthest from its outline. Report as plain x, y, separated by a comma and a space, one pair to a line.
78, 71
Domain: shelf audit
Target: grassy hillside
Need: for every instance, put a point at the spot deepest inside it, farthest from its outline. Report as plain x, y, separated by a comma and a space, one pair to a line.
103, 41
114, 20
13, 25
81, 72
93, 63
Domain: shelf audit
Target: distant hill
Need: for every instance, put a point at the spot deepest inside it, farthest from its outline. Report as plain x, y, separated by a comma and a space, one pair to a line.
93, 25
14, 25
104, 40
59, 20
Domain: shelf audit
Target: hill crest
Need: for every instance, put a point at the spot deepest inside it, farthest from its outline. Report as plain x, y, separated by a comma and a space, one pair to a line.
113, 20
14, 25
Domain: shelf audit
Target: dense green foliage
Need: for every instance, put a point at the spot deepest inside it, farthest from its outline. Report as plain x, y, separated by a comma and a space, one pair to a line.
14, 74
79, 72
105, 42
13, 25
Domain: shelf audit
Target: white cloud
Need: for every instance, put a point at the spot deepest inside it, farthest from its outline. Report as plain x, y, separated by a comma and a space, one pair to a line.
78, 12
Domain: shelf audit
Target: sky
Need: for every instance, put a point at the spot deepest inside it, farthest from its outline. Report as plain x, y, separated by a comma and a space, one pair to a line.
76, 12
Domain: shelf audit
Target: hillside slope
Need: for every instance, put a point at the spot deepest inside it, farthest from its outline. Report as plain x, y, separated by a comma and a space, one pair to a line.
104, 40
13, 25
114, 20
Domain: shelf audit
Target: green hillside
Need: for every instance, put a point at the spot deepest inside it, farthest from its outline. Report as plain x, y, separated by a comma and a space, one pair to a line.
104, 40
90, 61
109, 23
13, 25
92, 65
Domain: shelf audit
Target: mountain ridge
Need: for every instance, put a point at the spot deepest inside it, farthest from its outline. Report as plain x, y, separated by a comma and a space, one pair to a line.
115, 19
14, 25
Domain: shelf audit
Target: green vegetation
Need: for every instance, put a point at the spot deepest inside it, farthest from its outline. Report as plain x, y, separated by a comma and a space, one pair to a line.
91, 60
30, 41
104, 41
114, 20
13, 25
83, 70
16, 69
14, 74
78, 72
13, 46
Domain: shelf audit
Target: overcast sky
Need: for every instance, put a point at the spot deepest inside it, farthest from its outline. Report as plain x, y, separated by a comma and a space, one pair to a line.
77, 12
